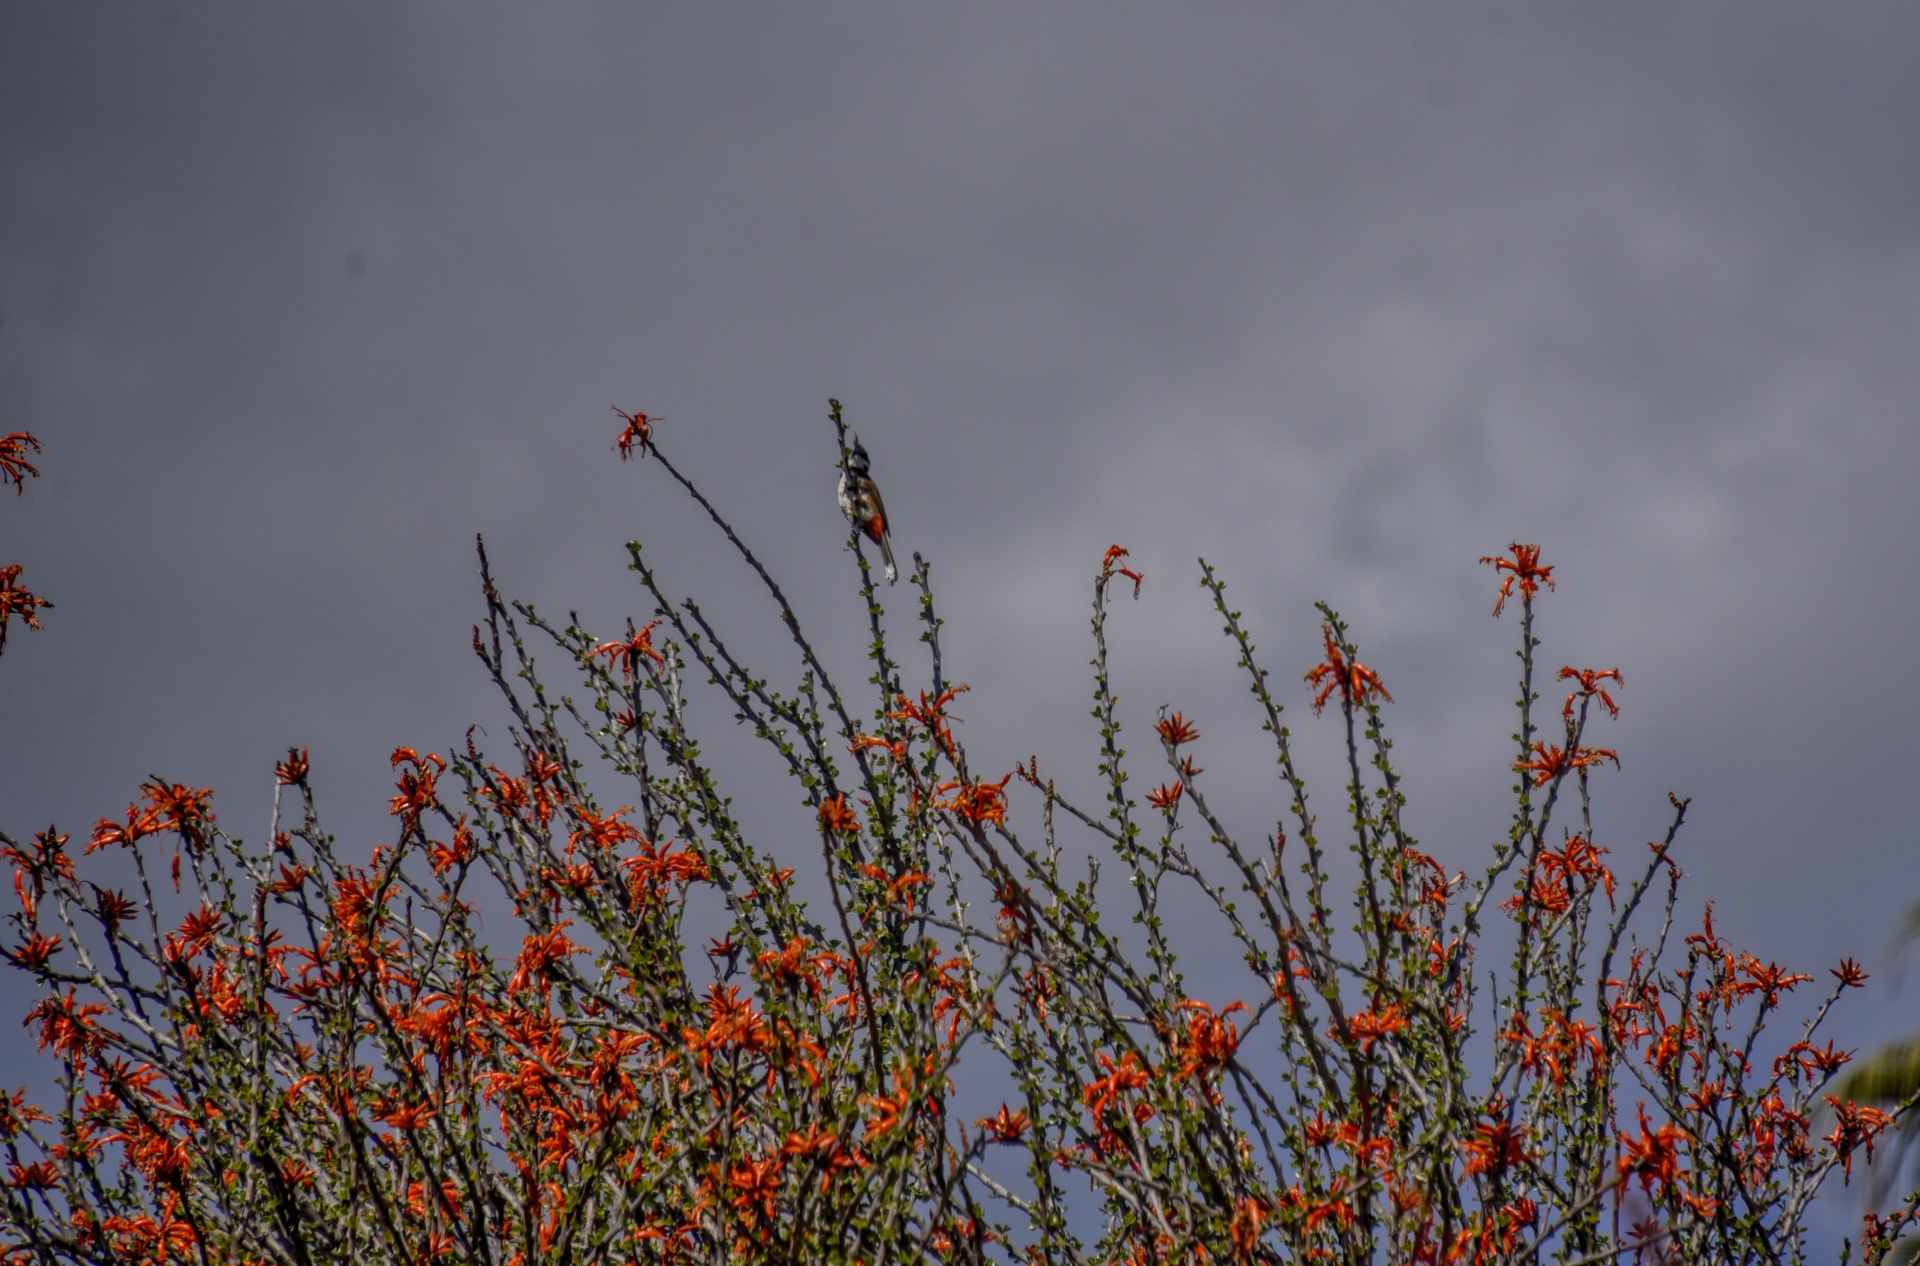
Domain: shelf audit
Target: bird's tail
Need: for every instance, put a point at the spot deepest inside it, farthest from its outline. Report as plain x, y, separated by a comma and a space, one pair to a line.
886, 556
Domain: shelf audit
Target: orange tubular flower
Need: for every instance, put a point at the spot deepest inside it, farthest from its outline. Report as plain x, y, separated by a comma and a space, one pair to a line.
416, 785
1176, 729
539, 955
1355, 681
603, 832
1335, 1209
1496, 1146
405, 1117
1127, 1075
113, 908
896, 749
656, 867
638, 432
13, 459
293, 770
1005, 1126
836, 817
1210, 1042
39, 1176
929, 715
887, 1109
1107, 568
48, 858
15, 600
66, 1025
1654, 1155
1856, 1126
1369, 1027
140, 823
629, 653
1165, 797
732, 1021
978, 803
1550, 763
34, 953
1524, 567
182, 809
1243, 1232
899, 888
756, 1185
1590, 688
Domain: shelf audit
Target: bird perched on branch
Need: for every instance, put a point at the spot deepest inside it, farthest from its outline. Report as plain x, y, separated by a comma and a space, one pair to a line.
860, 502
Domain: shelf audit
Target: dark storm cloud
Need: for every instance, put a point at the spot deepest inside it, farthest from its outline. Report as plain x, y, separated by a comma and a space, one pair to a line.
1343, 297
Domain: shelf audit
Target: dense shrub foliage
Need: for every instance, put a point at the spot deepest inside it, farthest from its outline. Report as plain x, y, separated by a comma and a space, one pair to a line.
328, 1059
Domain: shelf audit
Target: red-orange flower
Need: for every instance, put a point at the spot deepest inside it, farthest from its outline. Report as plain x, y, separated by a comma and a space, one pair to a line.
1654, 1155
539, 955
896, 749
656, 866
1107, 568
15, 600
39, 1176
1369, 1027
629, 653
1354, 680
638, 432
1336, 1208
899, 888
978, 803
929, 715
1166, 796
887, 1108
66, 1024
1557, 1049
1856, 1126
293, 770
34, 953
1176, 729
416, 785
603, 832
196, 935
113, 908
836, 817
1006, 1125
406, 1116
1243, 1232
1210, 1040
1590, 688
732, 1021
140, 822
48, 858
1549, 763
1496, 1146
756, 1186
1524, 567
182, 808
13, 459
1123, 1077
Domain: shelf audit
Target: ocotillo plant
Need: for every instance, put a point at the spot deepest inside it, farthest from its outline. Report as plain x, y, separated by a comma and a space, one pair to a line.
326, 1060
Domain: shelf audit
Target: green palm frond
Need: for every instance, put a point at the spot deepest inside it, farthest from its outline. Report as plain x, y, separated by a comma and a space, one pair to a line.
1889, 1075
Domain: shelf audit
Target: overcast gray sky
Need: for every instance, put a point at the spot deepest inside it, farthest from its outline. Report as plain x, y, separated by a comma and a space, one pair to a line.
300, 298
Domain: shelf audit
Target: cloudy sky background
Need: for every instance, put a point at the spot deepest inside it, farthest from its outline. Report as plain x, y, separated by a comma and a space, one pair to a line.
1342, 297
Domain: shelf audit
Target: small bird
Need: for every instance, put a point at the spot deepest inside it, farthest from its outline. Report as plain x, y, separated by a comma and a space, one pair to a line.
860, 502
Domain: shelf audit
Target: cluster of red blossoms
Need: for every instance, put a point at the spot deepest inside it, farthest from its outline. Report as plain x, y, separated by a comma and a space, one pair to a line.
15, 598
